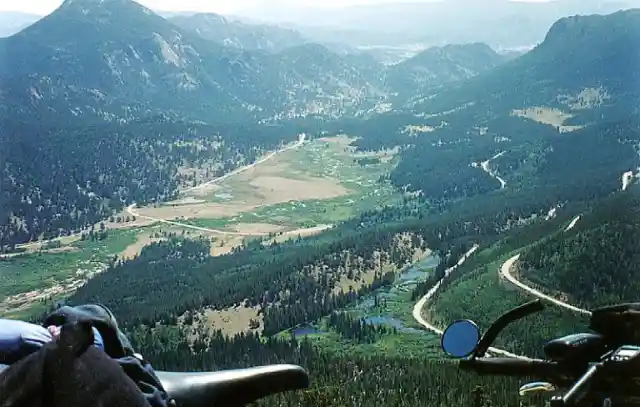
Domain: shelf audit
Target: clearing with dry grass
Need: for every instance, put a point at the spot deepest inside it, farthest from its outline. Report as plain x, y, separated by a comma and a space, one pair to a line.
588, 98
230, 321
416, 130
209, 210
251, 228
546, 115
269, 183
142, 240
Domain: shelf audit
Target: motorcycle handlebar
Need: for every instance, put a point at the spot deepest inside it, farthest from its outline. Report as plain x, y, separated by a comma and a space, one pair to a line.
511, 367
542, 369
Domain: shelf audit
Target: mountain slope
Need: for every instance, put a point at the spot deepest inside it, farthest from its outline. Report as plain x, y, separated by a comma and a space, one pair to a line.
578, 53
113, 58
499, 23
55, 180
219, 29
597, 262
439, 65
12, 21
558, 123
322, 78
117, 60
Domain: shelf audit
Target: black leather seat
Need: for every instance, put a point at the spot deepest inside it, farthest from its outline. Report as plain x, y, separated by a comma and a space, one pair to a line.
232, 387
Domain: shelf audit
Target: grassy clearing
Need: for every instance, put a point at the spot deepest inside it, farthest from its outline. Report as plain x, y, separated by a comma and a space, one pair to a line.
27, 280
550, 116
400, 344
230, 321
322, 183
392, 307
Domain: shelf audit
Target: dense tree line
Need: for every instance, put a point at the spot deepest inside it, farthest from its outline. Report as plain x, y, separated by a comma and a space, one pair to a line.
356, 329
299, 277
55, 180
287, 273
373, 380
584, 163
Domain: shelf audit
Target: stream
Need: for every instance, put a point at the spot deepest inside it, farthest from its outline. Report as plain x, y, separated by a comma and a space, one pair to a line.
404, 283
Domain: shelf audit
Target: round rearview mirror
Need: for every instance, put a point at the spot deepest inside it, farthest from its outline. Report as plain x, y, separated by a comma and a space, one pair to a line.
460, 338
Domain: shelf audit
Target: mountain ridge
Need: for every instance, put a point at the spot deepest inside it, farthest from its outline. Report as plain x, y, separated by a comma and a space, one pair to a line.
220, 29
570, 59
128, 59
436, 66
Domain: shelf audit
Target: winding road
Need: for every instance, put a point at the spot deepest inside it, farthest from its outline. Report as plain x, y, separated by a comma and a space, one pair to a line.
505, 271
417, 309
484, 165
131, 210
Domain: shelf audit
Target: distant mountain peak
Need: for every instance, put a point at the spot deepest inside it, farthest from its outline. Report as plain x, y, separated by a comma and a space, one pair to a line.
87, 6
212, 17
236, 34
92, 3
593, 26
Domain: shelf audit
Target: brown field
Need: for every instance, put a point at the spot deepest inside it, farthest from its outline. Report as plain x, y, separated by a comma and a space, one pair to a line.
224, 244
230, 321
206, 210
551, 116
251, 228
277, 189
185, 201
134, 249
262, 185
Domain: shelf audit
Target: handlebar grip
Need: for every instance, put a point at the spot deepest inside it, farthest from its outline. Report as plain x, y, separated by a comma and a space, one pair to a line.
510, 366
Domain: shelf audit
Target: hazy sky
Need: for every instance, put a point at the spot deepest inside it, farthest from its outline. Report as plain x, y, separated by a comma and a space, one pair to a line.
219, 6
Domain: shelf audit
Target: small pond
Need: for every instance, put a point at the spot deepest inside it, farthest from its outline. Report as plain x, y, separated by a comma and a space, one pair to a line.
307, 330
224, 195
394, 322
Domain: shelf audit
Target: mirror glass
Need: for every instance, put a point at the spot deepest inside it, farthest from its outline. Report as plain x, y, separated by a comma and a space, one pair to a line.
460, 338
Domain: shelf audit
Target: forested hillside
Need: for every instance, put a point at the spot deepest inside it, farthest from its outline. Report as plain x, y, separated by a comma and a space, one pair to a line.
582, 164
502, 160
437, 66
56, 180
374, 380
578, 52
182, 277
290, 283
544, 131
135, 64
597, 263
